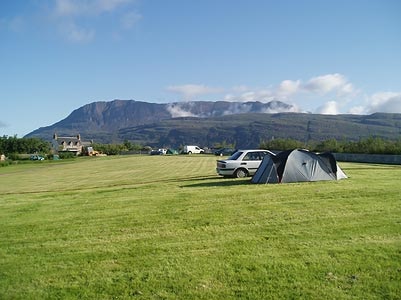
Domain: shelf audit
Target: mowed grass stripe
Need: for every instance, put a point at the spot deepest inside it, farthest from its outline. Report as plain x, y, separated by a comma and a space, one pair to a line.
156, 227
99, 172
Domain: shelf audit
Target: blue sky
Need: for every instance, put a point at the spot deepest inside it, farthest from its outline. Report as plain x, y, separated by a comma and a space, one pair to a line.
321, 56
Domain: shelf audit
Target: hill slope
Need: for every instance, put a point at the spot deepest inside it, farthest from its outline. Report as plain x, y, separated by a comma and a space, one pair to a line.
206, 123
249, 130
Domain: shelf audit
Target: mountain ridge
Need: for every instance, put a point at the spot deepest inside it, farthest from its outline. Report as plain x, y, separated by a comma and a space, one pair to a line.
244, 124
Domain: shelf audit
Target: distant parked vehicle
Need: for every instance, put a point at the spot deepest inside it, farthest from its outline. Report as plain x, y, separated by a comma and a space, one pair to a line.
192, 150
158, 152
162, 151
36, 157
224, 152
242, 163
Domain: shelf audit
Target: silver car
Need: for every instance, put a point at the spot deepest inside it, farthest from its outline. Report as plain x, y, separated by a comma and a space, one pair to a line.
242, 163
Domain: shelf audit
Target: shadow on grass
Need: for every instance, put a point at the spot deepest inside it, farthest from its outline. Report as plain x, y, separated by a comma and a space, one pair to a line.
196, 181
216, 182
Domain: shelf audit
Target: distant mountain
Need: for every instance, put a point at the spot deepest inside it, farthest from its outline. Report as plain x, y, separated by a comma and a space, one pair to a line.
101, 121
206, 123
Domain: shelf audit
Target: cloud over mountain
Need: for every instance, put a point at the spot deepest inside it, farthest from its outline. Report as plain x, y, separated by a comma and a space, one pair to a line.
325, 94
205, 109
177, 110
385, 102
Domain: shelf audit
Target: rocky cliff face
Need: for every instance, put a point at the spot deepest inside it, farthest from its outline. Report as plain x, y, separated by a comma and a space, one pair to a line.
111, 116
104, 119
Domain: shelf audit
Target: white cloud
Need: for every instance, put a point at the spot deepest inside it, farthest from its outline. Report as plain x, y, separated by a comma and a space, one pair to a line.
288, 90
86, 7
109, 5
325, 94
274, 107
238, 108
177, 111
357, 110
329, 83
66, 8
77, 19
288, 87
346, 89
188, 109
329, 108
189, 91
387, 102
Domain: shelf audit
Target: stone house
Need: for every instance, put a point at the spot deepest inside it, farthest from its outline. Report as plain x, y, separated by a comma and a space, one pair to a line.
69, 144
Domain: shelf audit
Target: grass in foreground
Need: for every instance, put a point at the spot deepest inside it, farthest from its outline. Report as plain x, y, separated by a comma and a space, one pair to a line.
147, 227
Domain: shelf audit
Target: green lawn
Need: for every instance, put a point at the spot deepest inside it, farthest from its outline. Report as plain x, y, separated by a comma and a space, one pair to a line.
167, 227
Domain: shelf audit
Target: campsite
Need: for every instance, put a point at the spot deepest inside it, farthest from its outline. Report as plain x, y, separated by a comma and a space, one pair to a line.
168, 227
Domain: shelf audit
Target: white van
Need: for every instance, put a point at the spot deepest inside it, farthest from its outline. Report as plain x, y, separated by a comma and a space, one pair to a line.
192, 149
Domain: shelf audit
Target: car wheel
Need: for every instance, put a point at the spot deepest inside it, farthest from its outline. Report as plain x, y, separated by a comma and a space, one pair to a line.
241, 173
189, 152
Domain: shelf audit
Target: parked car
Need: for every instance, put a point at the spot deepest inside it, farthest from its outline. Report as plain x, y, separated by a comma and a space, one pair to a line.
224, 152
158, 152
36, 157
242, 163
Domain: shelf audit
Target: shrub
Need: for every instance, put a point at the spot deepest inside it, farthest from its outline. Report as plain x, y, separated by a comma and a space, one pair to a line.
66, 155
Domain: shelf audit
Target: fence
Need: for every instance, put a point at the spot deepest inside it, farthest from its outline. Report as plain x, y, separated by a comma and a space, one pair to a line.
369, 158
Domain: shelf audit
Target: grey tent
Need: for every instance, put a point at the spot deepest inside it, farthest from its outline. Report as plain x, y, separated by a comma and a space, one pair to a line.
298, 165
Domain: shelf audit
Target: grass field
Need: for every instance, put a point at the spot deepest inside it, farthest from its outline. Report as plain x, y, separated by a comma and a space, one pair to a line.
167, 227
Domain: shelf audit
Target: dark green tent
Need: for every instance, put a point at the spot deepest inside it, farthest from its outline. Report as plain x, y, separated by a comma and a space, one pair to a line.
172, 151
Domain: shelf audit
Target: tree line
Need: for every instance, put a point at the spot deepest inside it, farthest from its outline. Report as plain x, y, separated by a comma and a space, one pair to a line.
370, 145
114, 149
12, 146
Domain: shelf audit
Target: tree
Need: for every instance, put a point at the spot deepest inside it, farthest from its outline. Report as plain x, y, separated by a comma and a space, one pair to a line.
331, 145
282, 144
14, 145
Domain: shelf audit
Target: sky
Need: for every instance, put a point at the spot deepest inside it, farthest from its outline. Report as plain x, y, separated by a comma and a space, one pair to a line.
321, 56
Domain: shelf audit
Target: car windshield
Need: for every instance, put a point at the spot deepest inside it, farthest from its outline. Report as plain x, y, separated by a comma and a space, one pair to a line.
235, 155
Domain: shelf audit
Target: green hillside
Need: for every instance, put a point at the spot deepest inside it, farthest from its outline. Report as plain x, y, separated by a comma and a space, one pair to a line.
249, 130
